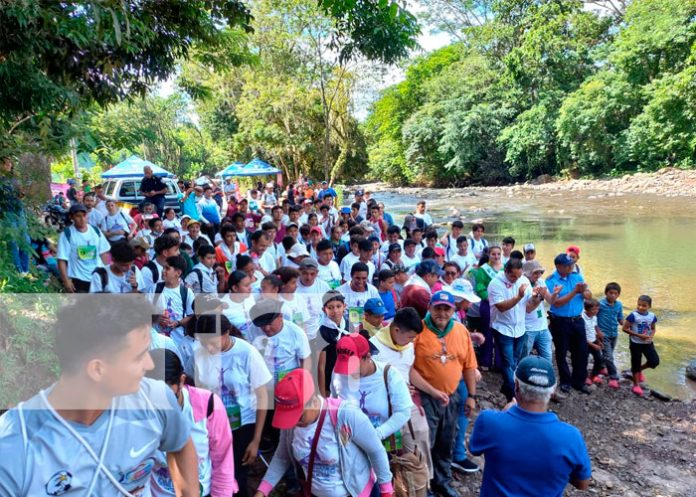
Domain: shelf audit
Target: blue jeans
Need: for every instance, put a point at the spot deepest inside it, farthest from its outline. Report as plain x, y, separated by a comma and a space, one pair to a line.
459, 452
511, 353
20, 256
541, 340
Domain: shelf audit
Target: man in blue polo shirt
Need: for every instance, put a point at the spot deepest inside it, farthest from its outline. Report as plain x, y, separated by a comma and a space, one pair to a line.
567, 327
529, 452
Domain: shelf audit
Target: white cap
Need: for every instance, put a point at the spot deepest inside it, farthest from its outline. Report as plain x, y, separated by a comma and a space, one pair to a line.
529, 248
463, 290
297, 250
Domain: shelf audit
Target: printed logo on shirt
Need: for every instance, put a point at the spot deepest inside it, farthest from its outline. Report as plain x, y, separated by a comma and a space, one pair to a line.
138, 474
59, 483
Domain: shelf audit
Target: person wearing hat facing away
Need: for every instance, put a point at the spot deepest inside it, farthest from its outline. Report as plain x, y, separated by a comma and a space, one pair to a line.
567, 326
82, 248
373, 316
574, 253
443, 356
528, 450
332, 442
377, 389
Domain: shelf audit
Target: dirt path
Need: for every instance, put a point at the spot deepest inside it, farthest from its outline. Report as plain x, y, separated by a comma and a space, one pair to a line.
638, 447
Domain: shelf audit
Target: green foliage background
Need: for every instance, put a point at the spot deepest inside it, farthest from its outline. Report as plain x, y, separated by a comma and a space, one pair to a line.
543, 87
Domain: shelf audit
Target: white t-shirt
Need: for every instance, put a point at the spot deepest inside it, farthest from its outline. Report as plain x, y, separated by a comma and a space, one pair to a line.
268, 262
283, 352
400, 360
187, 239
83, 251
173, 223
410, 262
148, 280
425, 217
369, 394
119, 221
159, 341
96, 219
234, 375
116, 284
295, 310
355, 302
238, 313
169, 303
511, 322
537, 320
465, 262
590, 325
327, 480
312, 301
208, 277
330, 274
347, 263
477, 246
370, 271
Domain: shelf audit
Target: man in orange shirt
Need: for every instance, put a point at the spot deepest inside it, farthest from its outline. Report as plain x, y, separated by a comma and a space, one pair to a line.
443, 356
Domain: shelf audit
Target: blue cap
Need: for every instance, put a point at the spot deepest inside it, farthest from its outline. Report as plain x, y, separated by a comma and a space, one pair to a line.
429, 266
536, 371
345, 210
563, 260
375, 306
443, 298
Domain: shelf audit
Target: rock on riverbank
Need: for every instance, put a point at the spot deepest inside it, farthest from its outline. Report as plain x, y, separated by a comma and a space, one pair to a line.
668, 182
638, 447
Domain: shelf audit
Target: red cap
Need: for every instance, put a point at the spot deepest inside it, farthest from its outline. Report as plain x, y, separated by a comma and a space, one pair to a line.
439, 251
574, 249
317, 229
291, 395
350, 349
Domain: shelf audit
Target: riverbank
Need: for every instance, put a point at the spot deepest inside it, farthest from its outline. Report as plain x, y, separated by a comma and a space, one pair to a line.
667, 182
638, 447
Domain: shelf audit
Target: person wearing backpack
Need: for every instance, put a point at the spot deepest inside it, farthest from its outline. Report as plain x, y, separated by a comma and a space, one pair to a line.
81, 249
122, 276
173, 301
117, 224
153, 272
350, 459
210, 432
206, 277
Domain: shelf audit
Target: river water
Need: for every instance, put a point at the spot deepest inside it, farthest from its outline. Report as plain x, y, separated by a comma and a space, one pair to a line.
644, 242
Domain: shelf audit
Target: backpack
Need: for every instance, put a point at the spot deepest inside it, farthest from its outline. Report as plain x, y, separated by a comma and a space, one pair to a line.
199, 273
153, 269
68, 232
182, 290
104, 277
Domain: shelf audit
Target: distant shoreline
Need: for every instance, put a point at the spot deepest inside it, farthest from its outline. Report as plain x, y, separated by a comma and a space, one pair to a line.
667, 182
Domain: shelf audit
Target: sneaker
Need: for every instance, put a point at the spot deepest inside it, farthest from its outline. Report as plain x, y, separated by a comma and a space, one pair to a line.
614, 384
598, 380
604, 372
588, 381
465, 465
637, 390
585, 389
641, 377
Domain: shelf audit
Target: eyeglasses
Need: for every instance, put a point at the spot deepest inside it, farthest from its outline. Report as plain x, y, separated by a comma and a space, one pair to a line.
451, 273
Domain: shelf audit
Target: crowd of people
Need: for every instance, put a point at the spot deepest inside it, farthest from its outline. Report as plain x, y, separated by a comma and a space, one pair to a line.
337, 346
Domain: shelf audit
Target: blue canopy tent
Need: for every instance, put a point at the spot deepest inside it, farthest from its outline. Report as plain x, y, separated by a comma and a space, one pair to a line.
132, 167
257, 167
231, 170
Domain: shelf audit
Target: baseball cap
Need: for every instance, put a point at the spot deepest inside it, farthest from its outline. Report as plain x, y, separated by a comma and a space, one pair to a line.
290, 396
442, 298
398, 268
269, 184
265, 311
575, 249
194, 221
324, 183
410, 222
394, 247
536, 371
360, 192
440, 251
297, 250
308, 201
563, 260
530, 267
431, 267
345, 210
349, 350
462, 289
375, 306
316, 229
308, 262
77, 208
367, 226
529, 248
291, 225
139, 242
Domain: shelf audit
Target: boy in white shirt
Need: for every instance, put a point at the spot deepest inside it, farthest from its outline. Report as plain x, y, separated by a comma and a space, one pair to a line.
464, 258
122, 276
205, 277
327, 267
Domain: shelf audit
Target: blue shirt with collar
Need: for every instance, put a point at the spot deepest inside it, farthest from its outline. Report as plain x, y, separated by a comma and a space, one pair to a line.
609, 317
573, 308
528, 453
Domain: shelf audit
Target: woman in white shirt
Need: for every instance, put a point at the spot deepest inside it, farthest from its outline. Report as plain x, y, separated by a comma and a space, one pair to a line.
239, 301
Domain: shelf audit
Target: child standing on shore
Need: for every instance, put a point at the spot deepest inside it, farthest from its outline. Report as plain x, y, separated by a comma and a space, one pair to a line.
594, 338
610, 315
640, 324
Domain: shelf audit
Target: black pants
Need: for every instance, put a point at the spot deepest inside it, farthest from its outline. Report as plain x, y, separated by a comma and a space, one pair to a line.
242, 437
442, 422
81, 286
597, 360
569, 336
638, 350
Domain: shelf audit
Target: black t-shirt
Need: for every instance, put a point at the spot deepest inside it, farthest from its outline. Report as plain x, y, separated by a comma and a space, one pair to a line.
153, 184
